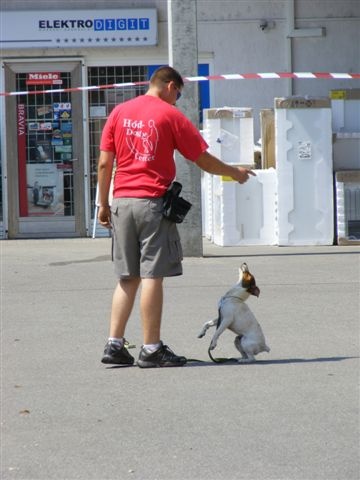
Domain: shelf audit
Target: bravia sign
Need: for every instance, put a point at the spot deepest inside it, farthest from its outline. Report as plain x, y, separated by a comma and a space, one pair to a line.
78, 28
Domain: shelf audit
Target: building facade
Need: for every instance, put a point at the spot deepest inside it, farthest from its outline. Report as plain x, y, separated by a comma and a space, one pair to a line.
60, 61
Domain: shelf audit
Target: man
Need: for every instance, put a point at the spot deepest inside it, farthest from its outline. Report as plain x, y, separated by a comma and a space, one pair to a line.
142, 134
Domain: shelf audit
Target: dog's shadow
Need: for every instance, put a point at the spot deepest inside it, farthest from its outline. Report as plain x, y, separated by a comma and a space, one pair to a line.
280, 361
233, 361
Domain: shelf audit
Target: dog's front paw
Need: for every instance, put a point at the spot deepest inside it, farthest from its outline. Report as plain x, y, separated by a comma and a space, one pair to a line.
212, 345
201, 335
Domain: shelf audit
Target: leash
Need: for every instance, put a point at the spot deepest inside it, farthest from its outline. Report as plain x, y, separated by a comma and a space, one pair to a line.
221, 359
215, 360
196, 360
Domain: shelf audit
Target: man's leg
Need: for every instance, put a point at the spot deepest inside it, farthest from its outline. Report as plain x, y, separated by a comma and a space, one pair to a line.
154, 353
123, 300
122, 304
151, 303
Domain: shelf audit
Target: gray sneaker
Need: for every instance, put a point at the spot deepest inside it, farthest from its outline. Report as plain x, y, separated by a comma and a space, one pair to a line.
118, 356
162, 357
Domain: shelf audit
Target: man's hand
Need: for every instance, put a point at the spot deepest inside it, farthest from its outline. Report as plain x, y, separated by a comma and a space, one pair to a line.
104, 216
211, 164
242, 174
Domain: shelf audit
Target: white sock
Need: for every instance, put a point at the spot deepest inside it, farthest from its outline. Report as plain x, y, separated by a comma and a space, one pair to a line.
118, 342
152, 347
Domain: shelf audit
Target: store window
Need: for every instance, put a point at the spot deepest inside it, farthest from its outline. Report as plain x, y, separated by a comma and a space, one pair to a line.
102, 101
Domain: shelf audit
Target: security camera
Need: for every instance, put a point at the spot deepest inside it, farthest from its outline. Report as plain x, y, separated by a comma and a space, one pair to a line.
263, 24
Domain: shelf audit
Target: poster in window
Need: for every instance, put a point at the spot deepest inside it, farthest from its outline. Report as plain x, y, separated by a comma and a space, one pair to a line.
45, 189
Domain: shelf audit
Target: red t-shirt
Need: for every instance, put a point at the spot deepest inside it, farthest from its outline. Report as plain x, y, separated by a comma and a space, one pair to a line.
143, 134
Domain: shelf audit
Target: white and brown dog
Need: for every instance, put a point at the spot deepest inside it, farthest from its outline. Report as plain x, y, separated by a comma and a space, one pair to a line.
235, 315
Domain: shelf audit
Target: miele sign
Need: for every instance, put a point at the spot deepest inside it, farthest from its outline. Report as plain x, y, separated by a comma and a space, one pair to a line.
78, 28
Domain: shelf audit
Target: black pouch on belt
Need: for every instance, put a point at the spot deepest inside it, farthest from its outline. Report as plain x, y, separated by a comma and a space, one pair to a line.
175, 207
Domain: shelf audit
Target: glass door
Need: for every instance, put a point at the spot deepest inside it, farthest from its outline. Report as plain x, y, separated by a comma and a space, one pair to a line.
50, 200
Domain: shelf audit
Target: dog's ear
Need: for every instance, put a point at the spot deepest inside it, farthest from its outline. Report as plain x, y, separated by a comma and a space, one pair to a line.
248, 280
244, 268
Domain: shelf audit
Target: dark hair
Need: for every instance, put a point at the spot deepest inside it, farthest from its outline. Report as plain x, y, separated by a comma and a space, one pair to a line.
166, 74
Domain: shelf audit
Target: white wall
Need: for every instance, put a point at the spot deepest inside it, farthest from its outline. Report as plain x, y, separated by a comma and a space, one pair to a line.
230, 37
229, 31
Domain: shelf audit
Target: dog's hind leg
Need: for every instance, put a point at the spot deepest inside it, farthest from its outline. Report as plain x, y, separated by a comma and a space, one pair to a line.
247, 357
206, 326
237, 343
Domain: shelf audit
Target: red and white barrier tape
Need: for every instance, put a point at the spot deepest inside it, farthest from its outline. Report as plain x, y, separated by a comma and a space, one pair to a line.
233, 76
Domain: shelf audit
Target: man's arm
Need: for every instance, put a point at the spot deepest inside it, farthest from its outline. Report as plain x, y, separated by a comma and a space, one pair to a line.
105, 167
211, 164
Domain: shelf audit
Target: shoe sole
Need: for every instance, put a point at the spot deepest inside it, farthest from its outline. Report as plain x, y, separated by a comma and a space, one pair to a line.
109, 360
144, 364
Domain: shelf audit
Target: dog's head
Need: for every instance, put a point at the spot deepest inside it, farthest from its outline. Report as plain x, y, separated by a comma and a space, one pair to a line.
247, 280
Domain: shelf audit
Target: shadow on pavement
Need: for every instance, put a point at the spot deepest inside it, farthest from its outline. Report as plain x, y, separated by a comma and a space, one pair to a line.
192, 362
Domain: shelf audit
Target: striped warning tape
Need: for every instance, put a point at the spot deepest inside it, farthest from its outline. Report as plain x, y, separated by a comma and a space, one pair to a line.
231, 76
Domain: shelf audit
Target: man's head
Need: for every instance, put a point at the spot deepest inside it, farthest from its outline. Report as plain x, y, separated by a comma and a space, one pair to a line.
167, 84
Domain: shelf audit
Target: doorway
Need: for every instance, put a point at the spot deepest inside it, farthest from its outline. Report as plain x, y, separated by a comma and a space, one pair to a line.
45, 145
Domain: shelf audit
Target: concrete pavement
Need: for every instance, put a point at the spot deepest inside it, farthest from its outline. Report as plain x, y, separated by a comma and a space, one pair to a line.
294, 415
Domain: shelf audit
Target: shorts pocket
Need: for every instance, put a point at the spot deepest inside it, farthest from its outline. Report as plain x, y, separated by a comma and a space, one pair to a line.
152, 210
156, 205
114, 209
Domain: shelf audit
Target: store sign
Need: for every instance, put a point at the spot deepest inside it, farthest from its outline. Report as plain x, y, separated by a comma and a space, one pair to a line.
78, 28
44, 78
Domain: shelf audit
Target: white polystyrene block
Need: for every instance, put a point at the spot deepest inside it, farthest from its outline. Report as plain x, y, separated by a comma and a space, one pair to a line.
345, 115
346, 151
304, 168
245, 214
210, 134
347, 188
207, 204
229, 132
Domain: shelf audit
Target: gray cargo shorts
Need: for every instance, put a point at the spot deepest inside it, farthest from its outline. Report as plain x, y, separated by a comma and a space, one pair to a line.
144, 243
